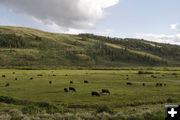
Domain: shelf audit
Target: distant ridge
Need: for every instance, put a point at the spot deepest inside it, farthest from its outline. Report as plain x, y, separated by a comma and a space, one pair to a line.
21, 46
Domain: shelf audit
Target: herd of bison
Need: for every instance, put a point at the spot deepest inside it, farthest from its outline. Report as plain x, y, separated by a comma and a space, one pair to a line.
93, 93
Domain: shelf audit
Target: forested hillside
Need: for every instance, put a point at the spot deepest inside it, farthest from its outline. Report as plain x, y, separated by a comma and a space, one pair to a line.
30, 47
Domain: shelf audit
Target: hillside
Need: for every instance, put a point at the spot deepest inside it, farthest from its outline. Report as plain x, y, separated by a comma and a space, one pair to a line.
30, 47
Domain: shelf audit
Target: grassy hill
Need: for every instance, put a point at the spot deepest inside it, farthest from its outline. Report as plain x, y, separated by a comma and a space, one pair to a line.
30, 47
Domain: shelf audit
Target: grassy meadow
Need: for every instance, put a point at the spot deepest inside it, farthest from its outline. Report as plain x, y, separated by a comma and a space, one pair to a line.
122, 98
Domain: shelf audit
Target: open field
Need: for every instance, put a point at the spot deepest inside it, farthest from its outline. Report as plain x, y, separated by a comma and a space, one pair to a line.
39, 89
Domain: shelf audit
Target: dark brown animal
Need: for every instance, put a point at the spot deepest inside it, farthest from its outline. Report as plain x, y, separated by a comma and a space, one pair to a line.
3, 75
7, 85
13, 73
65, 90
86, 81
159, 84
71, 82
39, 75
144, 84
105, 91
128, 83
72, 89
16, 79
95, 94
50, 82
153, 76
31, 78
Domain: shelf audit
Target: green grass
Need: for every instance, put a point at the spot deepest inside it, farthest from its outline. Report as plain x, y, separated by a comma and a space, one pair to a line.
39, 89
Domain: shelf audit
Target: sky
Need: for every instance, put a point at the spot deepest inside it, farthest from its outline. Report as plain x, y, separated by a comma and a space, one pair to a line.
154, 20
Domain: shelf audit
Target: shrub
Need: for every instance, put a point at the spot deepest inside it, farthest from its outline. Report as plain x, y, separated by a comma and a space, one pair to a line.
31, 110
104, 108
171, 100
15, 114
50, 108
174, 74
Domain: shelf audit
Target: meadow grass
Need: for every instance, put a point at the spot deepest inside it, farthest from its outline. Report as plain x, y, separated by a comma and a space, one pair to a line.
39, 89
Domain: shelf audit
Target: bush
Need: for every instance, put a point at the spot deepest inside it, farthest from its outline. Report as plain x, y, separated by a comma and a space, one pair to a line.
174, 74
31, 110
15, 114
104, 108
50, 108
171, 100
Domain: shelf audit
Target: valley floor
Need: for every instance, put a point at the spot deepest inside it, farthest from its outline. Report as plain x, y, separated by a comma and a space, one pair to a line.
31, 90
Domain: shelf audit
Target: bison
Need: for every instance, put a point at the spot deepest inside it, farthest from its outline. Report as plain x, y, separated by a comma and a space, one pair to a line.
16, 79
72, 89
71, 82
144, 84
3, 75
105, 91
7, 85
128, 83
65, 90
153, 76
95, 94
86, 81
31, 78
39, 75
159, 84
50, 82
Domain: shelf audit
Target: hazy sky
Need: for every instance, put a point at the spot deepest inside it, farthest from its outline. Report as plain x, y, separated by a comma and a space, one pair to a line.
156, 20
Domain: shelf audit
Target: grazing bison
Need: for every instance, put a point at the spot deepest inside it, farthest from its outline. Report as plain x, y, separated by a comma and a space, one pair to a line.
31, 78
128, 83
153, 76
3, 75
7, 85
16, 79
72, 89
157, 84
65, 90
50, 82
86, 81
144, 84
95, 94
13, 73
105, 91
39, 75
53, 75
71, 82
